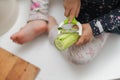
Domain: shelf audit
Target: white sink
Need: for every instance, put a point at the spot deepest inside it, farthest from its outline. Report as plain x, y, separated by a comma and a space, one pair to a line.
106, 66
8, 14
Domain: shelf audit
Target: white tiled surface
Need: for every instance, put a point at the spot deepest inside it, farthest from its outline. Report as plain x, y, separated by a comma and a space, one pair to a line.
53, 66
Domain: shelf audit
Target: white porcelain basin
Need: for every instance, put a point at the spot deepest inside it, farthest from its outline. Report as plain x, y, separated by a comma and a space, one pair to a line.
106, 66
8, 14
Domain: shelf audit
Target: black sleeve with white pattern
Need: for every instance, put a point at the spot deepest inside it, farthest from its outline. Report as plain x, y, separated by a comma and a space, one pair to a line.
109, 23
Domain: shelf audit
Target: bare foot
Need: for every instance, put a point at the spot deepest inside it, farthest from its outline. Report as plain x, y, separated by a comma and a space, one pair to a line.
30, 31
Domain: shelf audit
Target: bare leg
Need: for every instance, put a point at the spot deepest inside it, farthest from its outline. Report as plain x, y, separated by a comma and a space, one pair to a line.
52, 23
52, 29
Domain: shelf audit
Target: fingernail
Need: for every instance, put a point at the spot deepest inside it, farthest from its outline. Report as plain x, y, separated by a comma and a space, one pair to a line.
76, 44
69, 21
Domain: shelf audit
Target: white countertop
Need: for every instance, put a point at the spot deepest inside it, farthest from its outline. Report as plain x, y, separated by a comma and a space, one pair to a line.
53, 66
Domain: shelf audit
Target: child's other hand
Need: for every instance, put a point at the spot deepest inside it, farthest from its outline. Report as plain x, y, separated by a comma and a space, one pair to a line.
72, 8
87, 35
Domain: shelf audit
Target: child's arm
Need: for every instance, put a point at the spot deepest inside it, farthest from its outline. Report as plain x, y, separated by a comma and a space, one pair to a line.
72, 8
39, 10
109, 23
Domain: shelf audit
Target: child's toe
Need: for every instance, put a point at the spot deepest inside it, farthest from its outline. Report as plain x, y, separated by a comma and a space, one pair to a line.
13, 37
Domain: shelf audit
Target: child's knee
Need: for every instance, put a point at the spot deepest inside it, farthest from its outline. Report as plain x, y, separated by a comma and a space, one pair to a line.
79, 57
78, 60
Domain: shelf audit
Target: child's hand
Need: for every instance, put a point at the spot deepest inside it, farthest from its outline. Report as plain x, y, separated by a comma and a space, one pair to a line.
87, 35
72, 8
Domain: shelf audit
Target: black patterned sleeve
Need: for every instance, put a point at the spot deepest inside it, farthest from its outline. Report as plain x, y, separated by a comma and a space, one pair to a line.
109, 23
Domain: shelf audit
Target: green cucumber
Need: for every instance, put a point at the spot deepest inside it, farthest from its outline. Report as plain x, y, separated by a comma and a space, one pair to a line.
64, 41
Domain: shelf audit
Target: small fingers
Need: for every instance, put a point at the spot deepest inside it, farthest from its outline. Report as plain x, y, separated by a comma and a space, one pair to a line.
78, 11
82, 40
72, 15
67, 12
